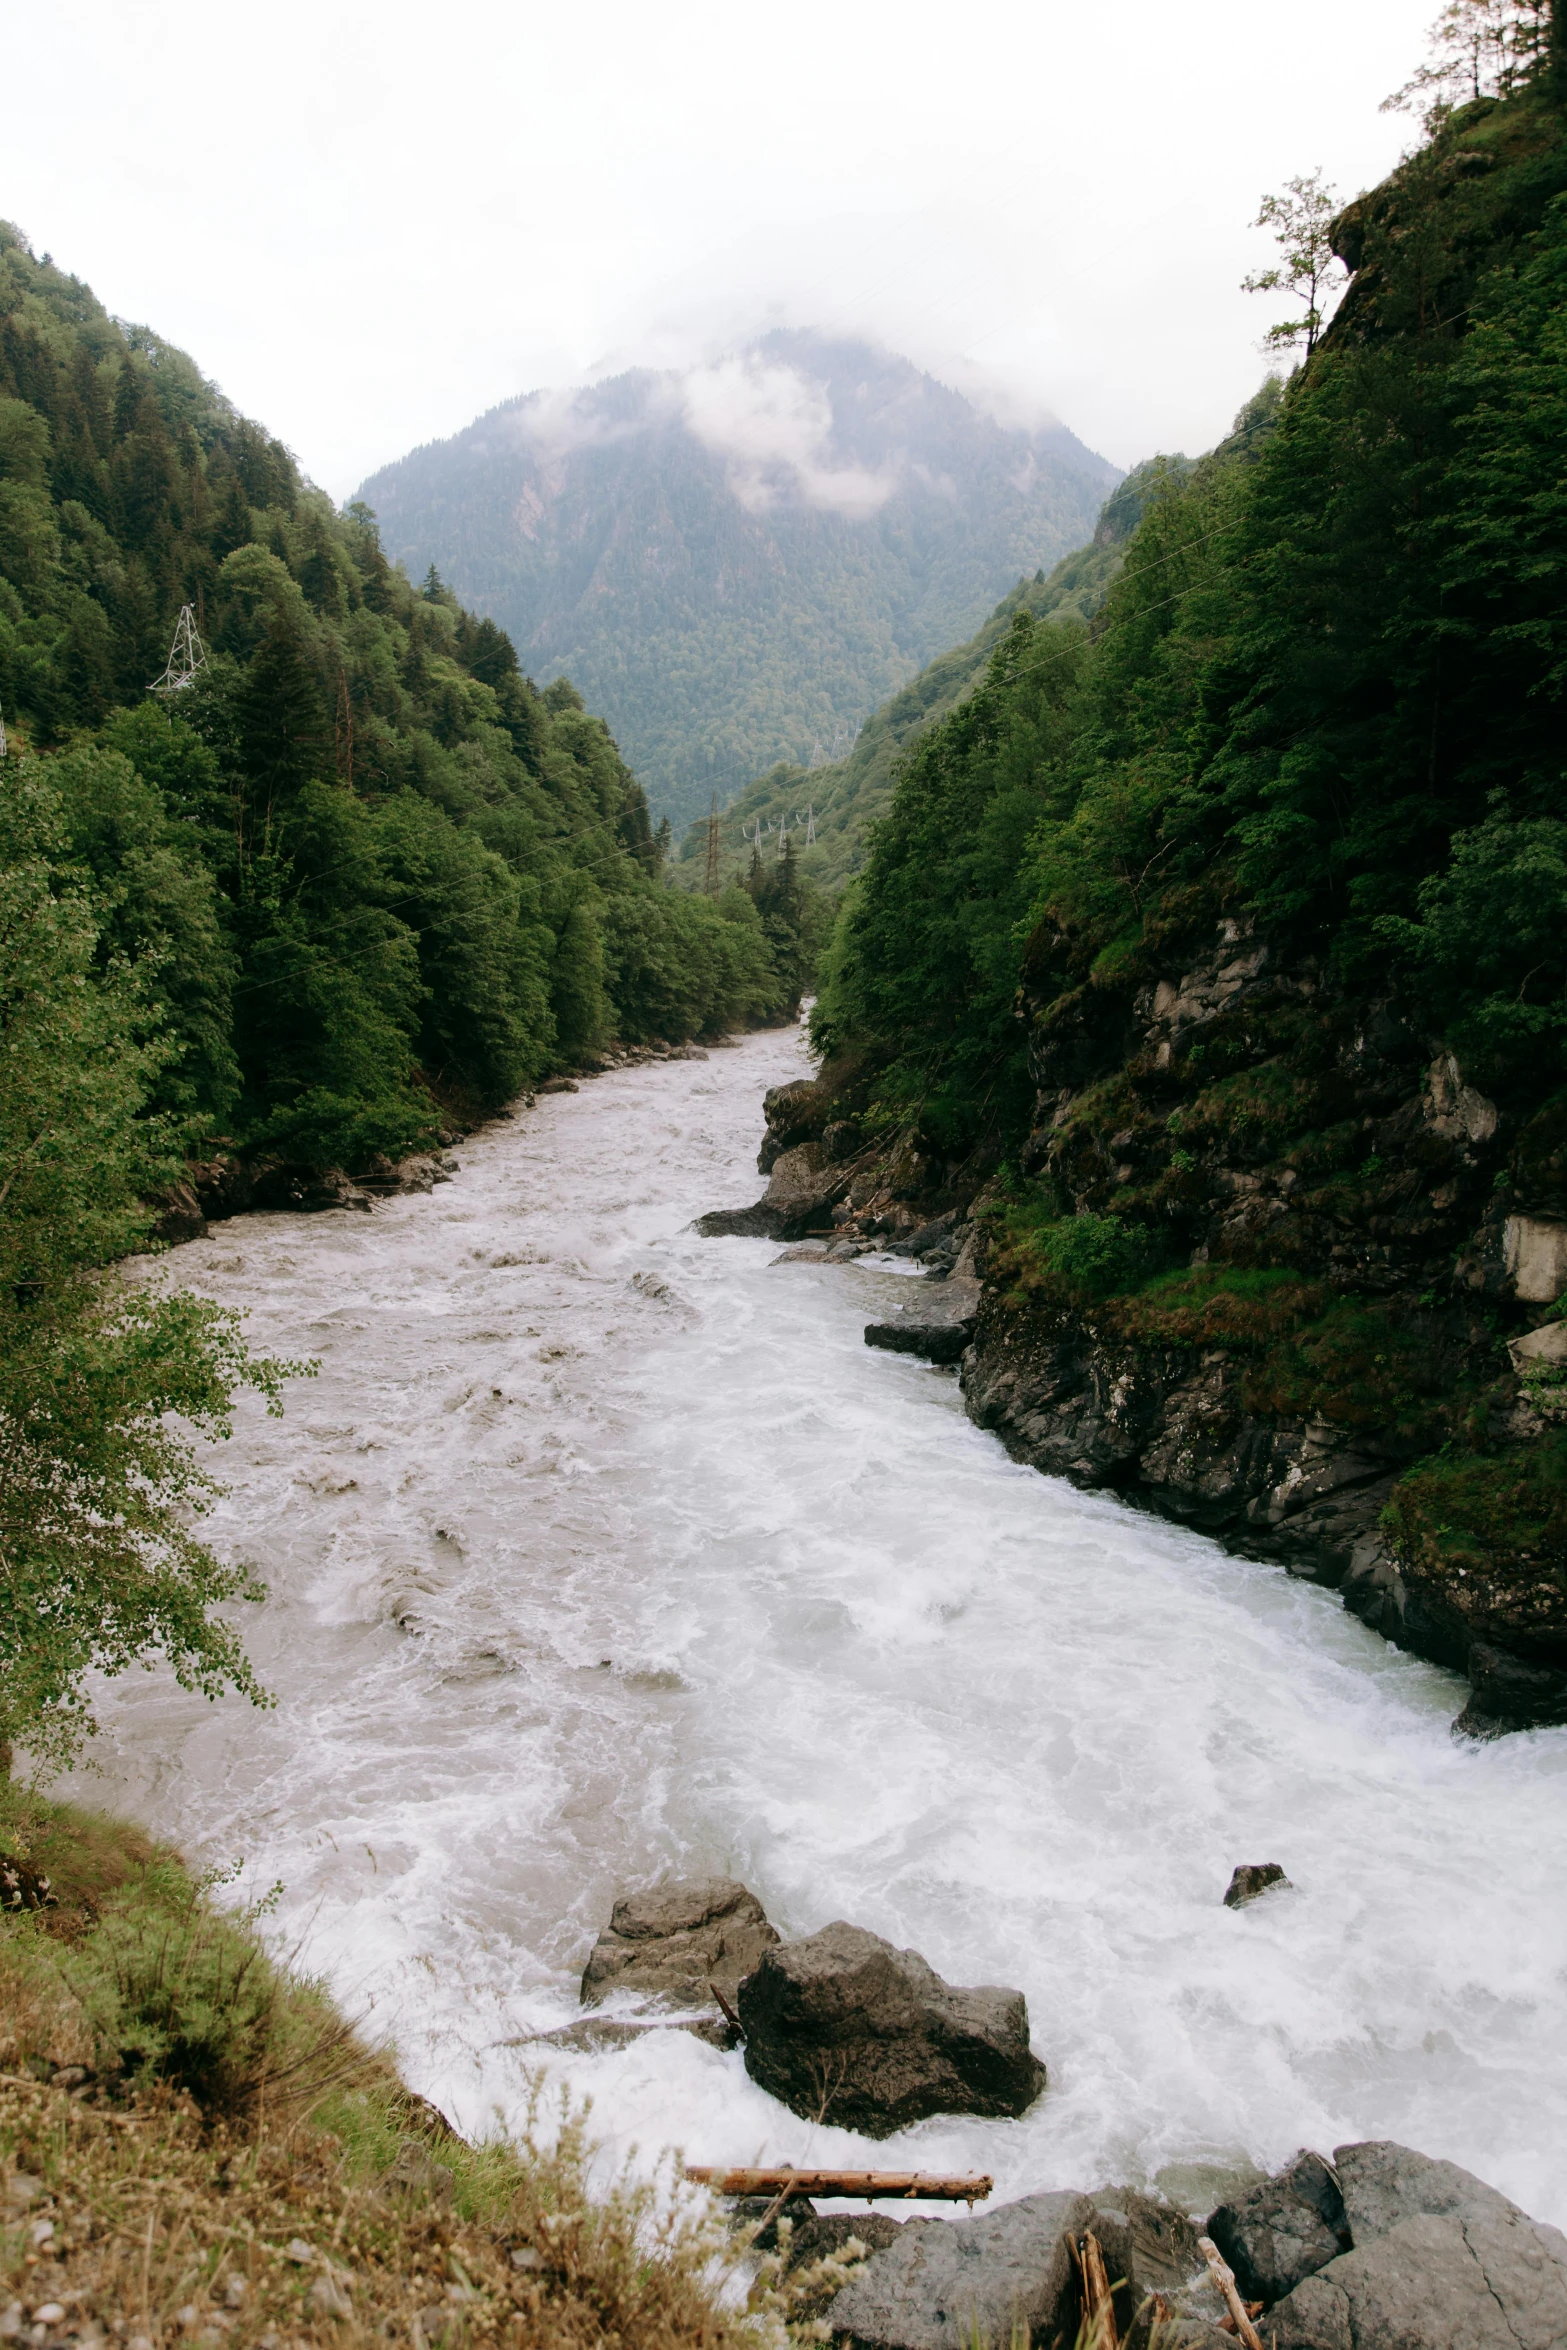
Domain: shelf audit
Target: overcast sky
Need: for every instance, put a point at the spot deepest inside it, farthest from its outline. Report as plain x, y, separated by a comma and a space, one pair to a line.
370, 222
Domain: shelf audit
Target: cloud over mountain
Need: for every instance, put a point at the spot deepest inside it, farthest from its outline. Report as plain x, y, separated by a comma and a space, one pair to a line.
738, 560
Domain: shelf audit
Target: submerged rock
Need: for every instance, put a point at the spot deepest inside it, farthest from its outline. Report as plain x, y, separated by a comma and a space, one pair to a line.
592, 2034
1252, 1879
680, 1938
844, 2028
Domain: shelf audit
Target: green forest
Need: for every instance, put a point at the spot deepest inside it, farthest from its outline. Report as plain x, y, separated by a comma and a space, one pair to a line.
1319, 716
1327, 685
827, 811
343, 880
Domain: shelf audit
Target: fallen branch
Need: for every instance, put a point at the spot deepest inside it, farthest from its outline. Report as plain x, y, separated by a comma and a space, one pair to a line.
1224, 2277
915, 2185
1099, 2327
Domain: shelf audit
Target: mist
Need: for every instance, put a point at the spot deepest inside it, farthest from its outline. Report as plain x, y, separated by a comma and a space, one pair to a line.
372, 227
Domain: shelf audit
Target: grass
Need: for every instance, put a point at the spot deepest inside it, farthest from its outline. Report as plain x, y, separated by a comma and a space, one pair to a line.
1501, 1515
194, 2145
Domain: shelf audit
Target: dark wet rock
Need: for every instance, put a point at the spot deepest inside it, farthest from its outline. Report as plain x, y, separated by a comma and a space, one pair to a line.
1251, 1880
1283, 2230
844, 2028
925, 1237
938, 1326
178, 1214
1494, 2281
943, 2283
1510, 1693
678, 1939
933, 1342
558, 1085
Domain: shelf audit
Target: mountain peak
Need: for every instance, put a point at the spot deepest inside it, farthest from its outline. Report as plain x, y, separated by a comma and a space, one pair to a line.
739, 559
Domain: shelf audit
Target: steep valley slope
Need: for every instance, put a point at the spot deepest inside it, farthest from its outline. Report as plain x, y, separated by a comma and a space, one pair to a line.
1201, 1011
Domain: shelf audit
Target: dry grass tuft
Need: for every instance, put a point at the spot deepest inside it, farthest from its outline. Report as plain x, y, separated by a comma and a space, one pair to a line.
194, 2147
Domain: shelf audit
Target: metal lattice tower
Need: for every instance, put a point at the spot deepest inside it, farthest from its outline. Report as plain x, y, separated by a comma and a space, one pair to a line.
187, 656
711, 882
810, 824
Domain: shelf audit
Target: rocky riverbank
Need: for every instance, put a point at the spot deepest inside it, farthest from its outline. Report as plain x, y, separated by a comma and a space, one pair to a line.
1380, 2247
1345, 1354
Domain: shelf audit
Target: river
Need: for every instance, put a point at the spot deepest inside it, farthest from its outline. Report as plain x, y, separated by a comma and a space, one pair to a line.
597, 1551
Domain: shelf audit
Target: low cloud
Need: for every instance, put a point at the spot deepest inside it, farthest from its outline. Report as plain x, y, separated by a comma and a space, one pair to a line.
775, 429
772, 425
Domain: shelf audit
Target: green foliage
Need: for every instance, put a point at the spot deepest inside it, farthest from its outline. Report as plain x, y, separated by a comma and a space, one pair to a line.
926, 953
845, 797
101, 1387
1486, 1511
1073, 1259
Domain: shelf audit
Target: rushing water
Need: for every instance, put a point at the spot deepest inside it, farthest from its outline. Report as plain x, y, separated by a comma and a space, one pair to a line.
599, 1551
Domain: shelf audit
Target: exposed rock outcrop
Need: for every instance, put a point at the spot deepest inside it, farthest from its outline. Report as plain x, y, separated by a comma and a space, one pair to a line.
1364, 1257
938, 1325
1439, 2259
804, 1187
1012, 2275
1382, 2249
683, 1940
843, 2027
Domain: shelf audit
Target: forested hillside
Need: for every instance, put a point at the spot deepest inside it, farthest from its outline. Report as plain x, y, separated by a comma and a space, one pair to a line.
1223, 941
360, 869
342, 879
737, 563
838, 802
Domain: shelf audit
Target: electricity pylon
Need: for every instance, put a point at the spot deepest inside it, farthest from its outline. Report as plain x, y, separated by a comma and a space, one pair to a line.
187, 655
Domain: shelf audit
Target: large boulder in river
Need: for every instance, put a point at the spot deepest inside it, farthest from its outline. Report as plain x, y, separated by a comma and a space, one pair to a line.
681, 1940
844, 2028
1440, 2261
804, 1185
1283, 2230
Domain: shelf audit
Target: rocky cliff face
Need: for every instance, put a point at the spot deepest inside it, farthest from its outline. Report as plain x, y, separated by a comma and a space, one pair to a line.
1348, 1360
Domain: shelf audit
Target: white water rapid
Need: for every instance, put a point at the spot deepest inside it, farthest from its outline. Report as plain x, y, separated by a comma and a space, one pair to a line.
598, 1551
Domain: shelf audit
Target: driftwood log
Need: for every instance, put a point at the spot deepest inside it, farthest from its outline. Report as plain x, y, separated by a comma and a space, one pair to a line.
1224, 2278
914, 2185
1099, 2326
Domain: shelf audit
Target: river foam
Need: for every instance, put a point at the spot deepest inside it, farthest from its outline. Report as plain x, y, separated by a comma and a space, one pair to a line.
598, 1550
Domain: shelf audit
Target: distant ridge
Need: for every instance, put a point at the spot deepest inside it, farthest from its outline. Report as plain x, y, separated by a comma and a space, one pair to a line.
843, 797
739, 562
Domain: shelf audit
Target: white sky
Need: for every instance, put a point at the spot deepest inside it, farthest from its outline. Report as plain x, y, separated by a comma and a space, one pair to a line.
371, 219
